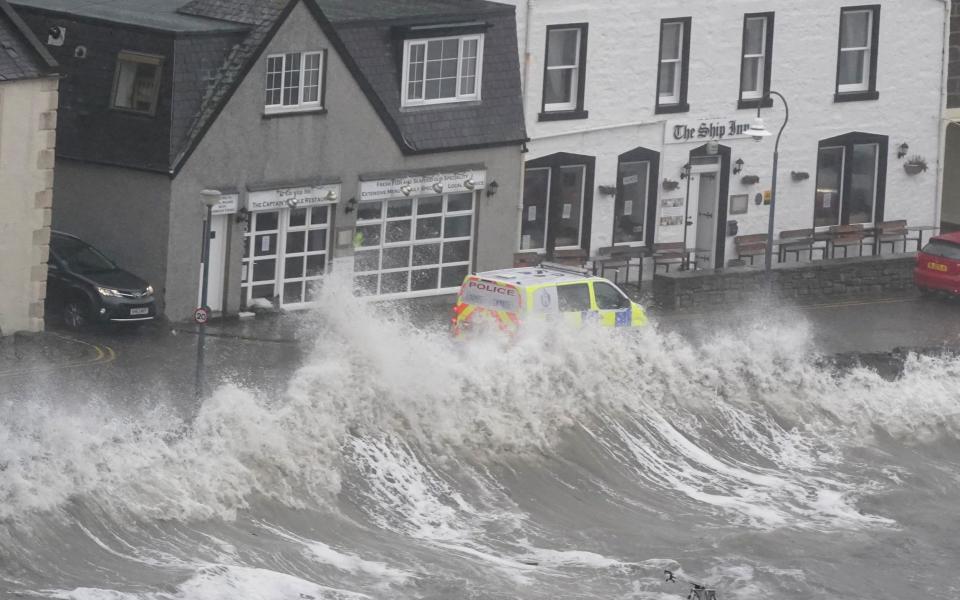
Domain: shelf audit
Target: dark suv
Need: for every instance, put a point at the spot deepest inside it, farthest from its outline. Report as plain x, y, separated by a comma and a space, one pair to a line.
85, 286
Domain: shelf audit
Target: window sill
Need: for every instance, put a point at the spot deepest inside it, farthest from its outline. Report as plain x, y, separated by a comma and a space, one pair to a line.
664, 109
765, 102
562, 115
856, 96
313, 110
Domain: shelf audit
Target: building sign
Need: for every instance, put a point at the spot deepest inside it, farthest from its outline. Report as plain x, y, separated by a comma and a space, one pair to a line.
293, 197
424, 185
683, 131
228, 204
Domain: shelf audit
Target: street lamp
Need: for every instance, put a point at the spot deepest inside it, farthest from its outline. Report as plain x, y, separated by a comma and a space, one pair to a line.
759, 131
210, 198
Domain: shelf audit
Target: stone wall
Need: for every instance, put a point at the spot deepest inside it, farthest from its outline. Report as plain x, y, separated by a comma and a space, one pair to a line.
801, 282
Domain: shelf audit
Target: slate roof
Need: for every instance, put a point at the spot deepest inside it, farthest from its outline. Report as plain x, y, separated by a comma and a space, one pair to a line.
21, 54
160, 15
362, 32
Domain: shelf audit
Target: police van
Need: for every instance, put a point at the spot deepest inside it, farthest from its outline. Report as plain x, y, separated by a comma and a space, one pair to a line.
505, 298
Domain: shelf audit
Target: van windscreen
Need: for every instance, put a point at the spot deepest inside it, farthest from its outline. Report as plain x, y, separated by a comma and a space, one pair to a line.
943, 249
492, 295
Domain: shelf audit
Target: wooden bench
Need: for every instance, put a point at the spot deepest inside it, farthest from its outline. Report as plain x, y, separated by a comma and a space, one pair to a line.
795, 241
573, 257
846, 236
526, 259
620, 257
751, 246
891, 232
668, 254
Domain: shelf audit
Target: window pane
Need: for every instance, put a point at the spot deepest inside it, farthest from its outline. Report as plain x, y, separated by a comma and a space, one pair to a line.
366, 261
456, 252
428, 228
456, 227
863, 183
430, 206
264, 270
400, 208
265, 245
298, 217
396, 258
750, 81
136, 82
268, 221
398, 231
670, 41
570, 196
854, 29
608, 298
668, 79
448, 88
369, 211
365, 285
852, 67
394, 283
458, 202
291, 79
293, 267
630, 205
311, 78
536, 187
827, 200
753, 36
274, 79
318, 215
295, 241
368, 235
574, 297
317, 240
316, 265
453, 276
558, 86
562, 47
426, 254
424, 279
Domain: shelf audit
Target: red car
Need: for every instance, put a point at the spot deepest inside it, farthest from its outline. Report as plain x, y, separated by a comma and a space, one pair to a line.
938, 265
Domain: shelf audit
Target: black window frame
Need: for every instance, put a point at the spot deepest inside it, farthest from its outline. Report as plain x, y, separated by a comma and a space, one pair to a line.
871, 92
578, 112
764, 101
652, 157
847, 141
136, 57
555, 162
681, 105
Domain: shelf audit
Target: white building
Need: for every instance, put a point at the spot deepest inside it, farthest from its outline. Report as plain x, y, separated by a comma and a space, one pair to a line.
620, 95
28, 118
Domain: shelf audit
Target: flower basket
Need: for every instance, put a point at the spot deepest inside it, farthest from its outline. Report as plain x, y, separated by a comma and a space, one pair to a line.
915, 165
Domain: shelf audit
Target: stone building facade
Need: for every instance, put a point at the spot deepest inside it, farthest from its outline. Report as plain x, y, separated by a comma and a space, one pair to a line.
619, 101
28, 116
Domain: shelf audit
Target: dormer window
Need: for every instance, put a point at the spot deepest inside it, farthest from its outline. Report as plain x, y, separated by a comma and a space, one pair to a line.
441, 70
136, 82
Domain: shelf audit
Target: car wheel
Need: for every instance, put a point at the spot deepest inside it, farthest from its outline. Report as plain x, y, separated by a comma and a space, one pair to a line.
75, 314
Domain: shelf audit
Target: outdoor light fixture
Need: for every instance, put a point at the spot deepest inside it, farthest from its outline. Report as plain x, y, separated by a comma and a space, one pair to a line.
406, 190
469, 184
738, 166
758, 131
903, 149
670, 185
350, 206
292, 203
438, 187
685, 171
492, 188
331, 196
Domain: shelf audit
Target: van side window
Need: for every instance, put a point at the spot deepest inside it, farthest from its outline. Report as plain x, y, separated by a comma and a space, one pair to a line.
608, 297
574, 297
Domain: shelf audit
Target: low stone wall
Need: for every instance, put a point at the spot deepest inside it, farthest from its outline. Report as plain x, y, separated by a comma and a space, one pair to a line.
804, 282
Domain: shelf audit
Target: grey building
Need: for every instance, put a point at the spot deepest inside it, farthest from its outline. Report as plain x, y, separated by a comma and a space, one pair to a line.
380, 137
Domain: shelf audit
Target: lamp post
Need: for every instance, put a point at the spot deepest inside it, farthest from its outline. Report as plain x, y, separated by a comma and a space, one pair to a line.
759, 131
687, 169
210, 198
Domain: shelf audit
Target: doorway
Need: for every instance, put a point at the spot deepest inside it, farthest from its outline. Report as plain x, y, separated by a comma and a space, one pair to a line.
705, 197
217, 264
557, 204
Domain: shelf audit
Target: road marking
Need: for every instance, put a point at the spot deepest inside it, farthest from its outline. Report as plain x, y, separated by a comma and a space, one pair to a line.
102, 355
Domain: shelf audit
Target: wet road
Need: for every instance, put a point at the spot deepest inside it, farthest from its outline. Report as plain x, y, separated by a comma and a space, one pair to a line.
160, 362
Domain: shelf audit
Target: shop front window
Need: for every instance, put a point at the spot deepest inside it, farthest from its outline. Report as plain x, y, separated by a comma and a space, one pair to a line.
557, 203
850, 180
630, 205
413, 245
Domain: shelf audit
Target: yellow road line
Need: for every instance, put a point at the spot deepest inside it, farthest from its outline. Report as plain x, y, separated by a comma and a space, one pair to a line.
102, 355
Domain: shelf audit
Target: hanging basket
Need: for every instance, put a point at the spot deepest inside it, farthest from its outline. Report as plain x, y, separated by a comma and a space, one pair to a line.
914, 168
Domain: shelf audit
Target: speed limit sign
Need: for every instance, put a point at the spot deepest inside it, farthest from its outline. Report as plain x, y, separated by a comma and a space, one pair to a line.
201, 315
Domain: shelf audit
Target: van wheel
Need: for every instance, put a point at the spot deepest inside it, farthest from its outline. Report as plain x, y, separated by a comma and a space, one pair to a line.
75, 314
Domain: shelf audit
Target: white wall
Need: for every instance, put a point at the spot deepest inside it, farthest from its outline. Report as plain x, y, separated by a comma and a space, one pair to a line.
621, 87
27, 138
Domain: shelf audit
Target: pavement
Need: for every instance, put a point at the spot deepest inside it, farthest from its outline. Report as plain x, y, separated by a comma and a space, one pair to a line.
184, 361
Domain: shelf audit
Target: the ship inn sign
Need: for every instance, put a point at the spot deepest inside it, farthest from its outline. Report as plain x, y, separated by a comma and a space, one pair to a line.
704, 130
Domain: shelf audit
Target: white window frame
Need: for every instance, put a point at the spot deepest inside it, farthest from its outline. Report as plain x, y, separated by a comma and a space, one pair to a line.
867, 50
138, 58
406, 100
677, 64
572, 103
761, 60
301, 105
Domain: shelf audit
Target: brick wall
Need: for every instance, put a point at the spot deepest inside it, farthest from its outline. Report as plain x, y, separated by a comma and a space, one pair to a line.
804, 282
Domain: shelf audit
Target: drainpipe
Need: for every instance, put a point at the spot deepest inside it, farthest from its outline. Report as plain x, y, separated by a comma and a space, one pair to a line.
526, 47
942, 121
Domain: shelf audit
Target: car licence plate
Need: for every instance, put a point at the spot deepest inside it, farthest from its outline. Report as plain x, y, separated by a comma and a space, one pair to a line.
139, 311
937, 267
